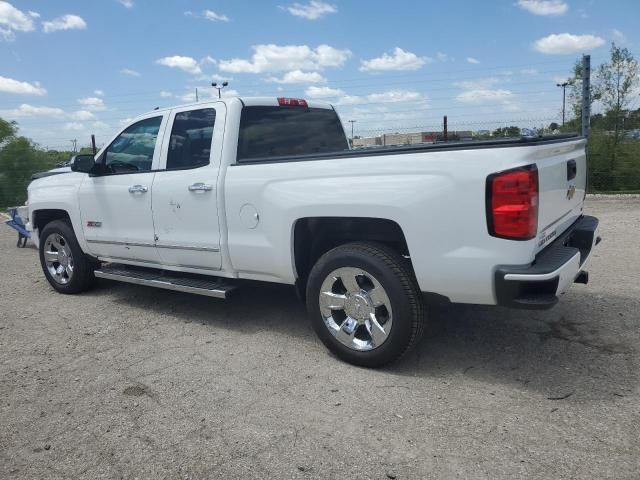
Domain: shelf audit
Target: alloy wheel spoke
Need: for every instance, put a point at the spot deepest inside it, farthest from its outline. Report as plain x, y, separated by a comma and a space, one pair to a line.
377, 332
69, 270
377, 296
350, 283
51, 256
333, 301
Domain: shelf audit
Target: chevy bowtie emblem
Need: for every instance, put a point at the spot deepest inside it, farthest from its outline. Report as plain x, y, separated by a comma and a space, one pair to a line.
91, 223
571, 192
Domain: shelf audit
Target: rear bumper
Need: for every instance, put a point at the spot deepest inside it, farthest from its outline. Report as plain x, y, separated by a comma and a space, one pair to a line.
538, 285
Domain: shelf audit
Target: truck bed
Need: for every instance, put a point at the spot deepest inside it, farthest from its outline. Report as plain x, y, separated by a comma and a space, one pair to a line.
423, 147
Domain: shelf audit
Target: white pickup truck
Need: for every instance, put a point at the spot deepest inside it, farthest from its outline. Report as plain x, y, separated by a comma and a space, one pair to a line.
198, 197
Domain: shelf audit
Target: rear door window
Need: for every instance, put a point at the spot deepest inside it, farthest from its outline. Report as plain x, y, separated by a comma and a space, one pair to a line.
190, 142
268, 132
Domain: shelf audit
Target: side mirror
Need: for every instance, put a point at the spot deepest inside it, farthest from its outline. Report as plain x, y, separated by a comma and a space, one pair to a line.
83, 163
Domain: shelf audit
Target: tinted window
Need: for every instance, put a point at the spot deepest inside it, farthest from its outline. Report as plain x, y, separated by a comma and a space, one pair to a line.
190, 144
133, 150
277, 131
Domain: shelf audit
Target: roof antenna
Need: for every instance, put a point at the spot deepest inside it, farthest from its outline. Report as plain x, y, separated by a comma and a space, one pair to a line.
156, 108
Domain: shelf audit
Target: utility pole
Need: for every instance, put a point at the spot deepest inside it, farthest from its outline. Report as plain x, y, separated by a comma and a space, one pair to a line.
197, 95
93, 144
586, 94
445, 129
74, 142
352, 122
564, 88
219, 88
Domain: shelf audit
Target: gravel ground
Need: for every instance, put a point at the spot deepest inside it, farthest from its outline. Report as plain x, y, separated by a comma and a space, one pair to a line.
133, 382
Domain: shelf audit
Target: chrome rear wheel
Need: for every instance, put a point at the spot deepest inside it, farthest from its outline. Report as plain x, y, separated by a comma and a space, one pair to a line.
356, 308
364, 303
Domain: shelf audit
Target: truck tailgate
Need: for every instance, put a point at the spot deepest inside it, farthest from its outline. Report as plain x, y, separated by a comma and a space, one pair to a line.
562, 178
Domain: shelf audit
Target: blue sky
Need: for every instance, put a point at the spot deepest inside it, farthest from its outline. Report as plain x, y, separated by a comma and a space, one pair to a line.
71, 68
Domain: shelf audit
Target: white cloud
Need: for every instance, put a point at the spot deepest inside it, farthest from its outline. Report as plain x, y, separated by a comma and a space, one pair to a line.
398, 60
442, 57
65, 22
186, 64
165, 94
311, 11
208, 15
544, 7
100, 93
214, 17
99, 125
26, 110
33, 14
390, 96
323, 92
126, 3
13, 20
219, 78
482, 91
208, 60
479, 83
566, 43
74, 126
473, 61
618, 36
298, 76
226, 93
92, 103
129, 72
83, 115
9, 85
277, 58
485, 96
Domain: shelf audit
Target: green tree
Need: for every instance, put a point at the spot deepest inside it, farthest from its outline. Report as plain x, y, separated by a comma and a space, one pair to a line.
7, 130
19, 159
616, 80
506, 132
574, 98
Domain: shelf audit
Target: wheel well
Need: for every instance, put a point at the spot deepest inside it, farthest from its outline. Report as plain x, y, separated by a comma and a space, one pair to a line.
42, 217
315, 236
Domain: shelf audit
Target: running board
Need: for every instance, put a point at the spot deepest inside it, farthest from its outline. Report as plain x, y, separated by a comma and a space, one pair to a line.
200, 285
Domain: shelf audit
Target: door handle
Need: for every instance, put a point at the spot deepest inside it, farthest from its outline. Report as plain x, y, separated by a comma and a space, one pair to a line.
200, 187
138, 189
572, 168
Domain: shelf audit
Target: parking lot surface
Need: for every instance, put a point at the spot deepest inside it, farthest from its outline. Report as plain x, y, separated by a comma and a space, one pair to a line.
133, 382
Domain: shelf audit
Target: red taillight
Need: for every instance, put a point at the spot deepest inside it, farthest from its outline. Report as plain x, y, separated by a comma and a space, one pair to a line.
512, 203
292, 102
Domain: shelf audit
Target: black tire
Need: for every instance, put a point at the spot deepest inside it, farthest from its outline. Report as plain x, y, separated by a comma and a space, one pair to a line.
394, 274
82, 278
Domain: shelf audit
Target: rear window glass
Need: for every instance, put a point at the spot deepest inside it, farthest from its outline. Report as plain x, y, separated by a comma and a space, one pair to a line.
282, 131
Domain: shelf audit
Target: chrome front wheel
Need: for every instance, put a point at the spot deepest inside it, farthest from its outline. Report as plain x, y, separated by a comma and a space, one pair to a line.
58, 258
356, 308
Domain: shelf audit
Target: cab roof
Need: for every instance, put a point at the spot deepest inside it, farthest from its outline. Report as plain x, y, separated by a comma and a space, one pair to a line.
249, 101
